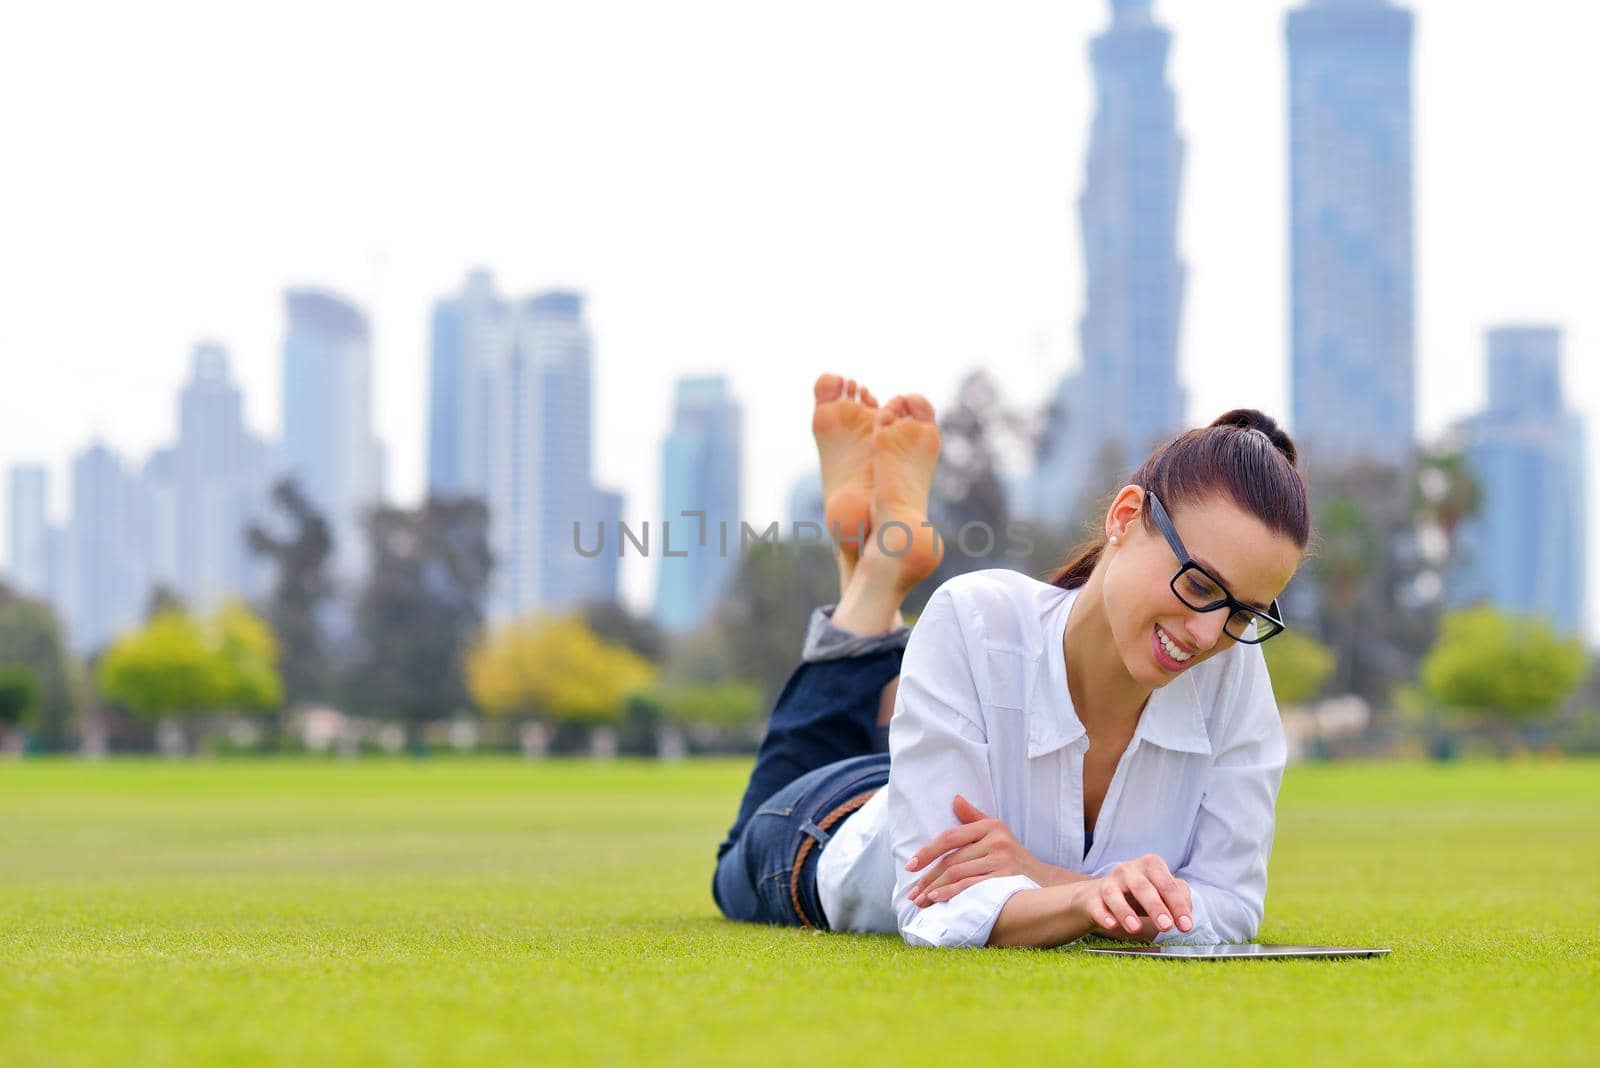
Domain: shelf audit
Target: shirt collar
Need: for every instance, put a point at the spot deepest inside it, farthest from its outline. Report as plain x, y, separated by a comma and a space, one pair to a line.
1172, 718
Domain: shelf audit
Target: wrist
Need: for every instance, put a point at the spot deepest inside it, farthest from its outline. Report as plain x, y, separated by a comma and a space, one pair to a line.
1050, 875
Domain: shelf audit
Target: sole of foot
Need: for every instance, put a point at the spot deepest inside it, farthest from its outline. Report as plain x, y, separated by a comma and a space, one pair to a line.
844, 423
905, 451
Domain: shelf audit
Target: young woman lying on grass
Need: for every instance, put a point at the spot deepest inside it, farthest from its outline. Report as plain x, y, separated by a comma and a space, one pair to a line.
1035, 761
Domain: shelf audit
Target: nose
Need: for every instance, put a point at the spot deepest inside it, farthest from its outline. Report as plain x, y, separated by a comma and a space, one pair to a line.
1205, 628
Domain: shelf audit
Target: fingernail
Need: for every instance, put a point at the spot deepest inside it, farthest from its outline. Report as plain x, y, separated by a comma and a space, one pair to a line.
911, 865
1163, 921
1131, 923
1185, 922
1108, 921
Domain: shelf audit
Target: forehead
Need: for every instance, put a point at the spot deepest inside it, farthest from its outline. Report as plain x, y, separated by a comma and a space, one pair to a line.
1254, 561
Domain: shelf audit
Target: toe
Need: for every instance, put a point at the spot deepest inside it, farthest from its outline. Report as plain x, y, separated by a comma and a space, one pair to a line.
867, 398
918, 407
827, 387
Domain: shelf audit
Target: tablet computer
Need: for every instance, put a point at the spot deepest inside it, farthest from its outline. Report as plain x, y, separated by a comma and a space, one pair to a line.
1251, 949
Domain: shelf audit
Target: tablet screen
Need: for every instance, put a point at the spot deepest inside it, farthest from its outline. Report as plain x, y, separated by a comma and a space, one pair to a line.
1251, 949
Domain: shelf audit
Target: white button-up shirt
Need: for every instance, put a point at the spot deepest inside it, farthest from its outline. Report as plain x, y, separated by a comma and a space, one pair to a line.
983, 710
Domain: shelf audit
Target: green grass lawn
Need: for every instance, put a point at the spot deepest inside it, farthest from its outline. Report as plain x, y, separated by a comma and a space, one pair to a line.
503, 912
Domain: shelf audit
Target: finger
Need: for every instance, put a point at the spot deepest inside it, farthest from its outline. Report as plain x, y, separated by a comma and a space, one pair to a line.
1116, 906
1154, 907
966, 811
941, 888
955, 888
943, 842
938, 873
1175, 892
922, 884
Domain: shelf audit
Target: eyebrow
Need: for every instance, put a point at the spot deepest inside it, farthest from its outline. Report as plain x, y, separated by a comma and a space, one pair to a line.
1226, 585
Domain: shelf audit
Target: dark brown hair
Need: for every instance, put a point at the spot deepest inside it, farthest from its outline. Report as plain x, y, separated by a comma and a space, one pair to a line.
1243, 456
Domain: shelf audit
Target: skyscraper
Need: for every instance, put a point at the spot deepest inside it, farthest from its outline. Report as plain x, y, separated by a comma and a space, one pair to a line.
105, 579
1125, 395
700, 472
328, 444
469, 340
511, 421
28, 540
1526, 549
220, 483
1352, 367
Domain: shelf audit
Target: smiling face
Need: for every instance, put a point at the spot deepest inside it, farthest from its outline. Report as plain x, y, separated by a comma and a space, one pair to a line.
1254, 562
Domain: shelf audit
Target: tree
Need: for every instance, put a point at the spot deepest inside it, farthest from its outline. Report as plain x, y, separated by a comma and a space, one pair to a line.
613, 623
300, 592
716, 705
19, 696
758, 628
1506, 668
1298, 664
178, 665
30, 640
421, 604
976, 432
555, 669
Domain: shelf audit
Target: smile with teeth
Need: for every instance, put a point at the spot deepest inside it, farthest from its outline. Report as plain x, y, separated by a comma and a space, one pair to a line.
1170, 647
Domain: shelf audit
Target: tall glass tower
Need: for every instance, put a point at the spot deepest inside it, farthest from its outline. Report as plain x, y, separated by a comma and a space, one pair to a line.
328, 444
1352, 366
1526, 549
700, 472
1126, 395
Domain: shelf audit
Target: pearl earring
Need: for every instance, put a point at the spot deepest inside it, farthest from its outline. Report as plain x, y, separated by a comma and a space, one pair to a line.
1113, 539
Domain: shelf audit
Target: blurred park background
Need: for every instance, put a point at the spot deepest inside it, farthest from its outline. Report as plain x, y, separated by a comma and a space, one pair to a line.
407, 385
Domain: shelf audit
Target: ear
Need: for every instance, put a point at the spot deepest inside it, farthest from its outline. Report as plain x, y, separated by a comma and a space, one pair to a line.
1124, 510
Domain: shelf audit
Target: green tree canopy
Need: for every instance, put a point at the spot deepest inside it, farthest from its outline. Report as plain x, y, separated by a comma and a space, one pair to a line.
30, 639
555, 667
1299, 665
177, 664
727, 704
1514, 667
19, 695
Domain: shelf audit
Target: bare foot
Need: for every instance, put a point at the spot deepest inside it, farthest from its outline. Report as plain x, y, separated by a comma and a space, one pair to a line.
905, 450
843, 423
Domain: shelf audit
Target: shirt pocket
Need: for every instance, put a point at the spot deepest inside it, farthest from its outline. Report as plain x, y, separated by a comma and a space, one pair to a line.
1007, 673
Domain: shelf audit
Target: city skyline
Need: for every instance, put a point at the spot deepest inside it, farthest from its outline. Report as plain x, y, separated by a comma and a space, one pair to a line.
679, 285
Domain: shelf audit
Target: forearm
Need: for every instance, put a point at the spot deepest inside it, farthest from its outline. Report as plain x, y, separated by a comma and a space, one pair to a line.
1048, 916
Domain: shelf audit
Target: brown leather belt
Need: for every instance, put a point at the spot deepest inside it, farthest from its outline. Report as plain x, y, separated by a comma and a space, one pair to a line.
827, 823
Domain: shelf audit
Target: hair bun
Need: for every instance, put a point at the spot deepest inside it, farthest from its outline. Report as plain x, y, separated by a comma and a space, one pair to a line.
1253, 419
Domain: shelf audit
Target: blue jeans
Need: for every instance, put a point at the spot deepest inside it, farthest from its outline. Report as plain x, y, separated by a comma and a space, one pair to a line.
823, 756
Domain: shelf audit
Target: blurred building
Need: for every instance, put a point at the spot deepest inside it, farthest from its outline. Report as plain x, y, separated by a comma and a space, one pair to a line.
698, 556
468, 343
105, 580
1352, 364
328, 443
202, 493
1125, 396
510, 421
1525, 551
28, 541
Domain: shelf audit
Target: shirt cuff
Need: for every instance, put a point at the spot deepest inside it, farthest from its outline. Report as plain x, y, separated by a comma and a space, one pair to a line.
967, 918
1202, 933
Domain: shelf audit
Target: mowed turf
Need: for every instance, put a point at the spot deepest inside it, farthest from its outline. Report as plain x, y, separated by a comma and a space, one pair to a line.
496, 911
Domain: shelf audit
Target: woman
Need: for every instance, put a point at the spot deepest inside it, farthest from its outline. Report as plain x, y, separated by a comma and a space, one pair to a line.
1097, 753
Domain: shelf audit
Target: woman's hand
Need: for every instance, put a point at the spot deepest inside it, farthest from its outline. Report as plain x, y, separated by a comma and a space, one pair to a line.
1139, 887
979, 848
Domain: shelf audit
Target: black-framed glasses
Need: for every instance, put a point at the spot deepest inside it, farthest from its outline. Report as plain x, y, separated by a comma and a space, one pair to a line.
1200, 590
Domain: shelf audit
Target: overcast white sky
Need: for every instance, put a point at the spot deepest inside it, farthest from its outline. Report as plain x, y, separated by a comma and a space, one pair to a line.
885, 189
